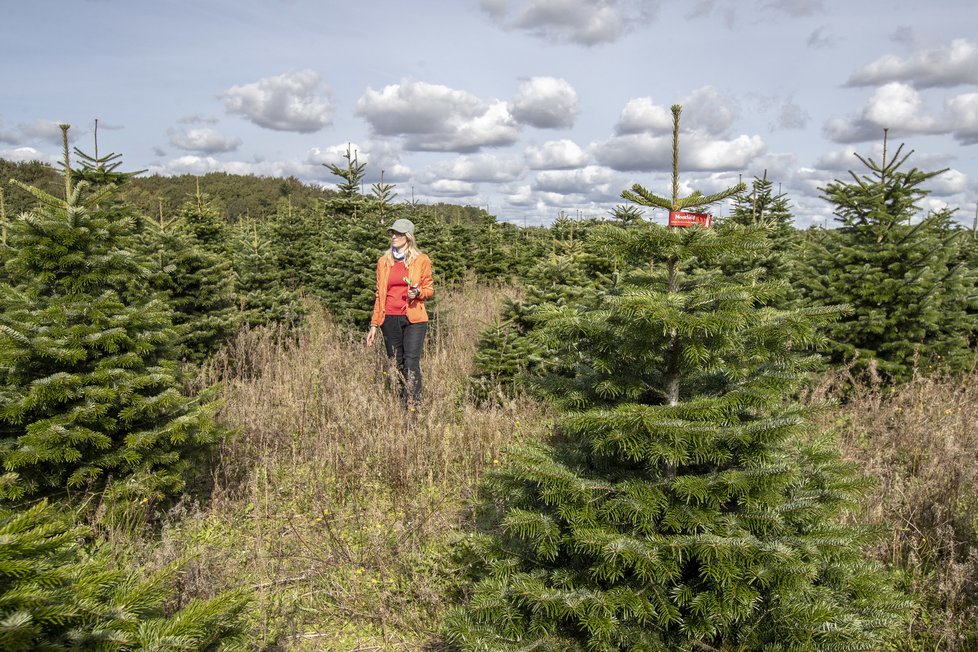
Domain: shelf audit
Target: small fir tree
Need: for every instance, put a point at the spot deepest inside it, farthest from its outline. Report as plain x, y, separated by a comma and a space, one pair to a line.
88, 388
58, 596
508, 356
194, 279
677, 508
202, 292
903, 278
626, 215
295, 236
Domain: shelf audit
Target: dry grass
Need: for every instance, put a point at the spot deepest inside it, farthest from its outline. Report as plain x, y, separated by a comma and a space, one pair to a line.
331, 501
920, 443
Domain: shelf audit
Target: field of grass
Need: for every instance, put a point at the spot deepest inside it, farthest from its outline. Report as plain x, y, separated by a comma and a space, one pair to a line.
337, 510
329, 501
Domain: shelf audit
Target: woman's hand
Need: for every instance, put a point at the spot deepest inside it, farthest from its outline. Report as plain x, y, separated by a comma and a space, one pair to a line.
371, 335
413, 293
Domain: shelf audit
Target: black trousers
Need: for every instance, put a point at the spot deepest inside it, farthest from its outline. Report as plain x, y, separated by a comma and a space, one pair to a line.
403, 341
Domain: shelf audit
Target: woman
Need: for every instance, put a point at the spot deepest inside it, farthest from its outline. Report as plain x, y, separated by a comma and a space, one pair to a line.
404, 282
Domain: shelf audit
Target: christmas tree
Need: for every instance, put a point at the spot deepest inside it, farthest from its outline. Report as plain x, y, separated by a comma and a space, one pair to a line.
679, 507
57, 595
900, 272
89, 388
262, 297
354, 235
763, 206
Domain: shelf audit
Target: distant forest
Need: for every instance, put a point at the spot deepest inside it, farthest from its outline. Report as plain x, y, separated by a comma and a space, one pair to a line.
235, 196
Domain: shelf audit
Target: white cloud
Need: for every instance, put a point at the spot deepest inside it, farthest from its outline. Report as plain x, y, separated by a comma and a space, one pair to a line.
197, 118
189, 164
643, 115
453, 188
432, 117
204, 140
963, 114
894, 106
545, 103
582, 22
294, 101
25, 154
838, 160
378, 157
194, 164
478, 168
336, 154
953, 64
951, 182
698, 152
47, 131
555, 155
705, 109
43, 131
585, 181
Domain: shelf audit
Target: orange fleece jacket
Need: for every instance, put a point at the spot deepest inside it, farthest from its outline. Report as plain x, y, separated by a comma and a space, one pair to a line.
419, 274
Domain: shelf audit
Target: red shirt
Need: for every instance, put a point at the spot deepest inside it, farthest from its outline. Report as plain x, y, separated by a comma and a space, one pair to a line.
397, 289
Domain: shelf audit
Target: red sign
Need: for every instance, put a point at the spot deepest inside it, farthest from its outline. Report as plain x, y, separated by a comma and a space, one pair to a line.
682, 218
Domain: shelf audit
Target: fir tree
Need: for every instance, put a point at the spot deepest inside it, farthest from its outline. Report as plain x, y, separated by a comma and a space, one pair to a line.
908, 291
626, 215
296, 240
202, 291
56, 595
100, 171
262, 297
762, 206
353, 235
89, 390
508, 356
677, 508
190, 267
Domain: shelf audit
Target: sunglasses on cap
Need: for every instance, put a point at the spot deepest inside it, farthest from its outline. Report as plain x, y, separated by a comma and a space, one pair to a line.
393, 233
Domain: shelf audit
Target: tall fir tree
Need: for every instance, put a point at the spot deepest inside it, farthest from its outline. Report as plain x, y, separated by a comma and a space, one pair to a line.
203, 282
262, 297
353, 236
900, 272
88, 387
677, 508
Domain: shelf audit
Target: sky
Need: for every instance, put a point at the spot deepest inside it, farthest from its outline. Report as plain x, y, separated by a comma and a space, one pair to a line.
527, 108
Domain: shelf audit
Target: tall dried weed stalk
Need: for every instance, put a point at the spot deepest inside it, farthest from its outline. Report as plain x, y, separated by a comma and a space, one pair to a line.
919, 441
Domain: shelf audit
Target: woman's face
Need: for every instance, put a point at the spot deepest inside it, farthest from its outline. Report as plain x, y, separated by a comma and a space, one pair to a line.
398, 240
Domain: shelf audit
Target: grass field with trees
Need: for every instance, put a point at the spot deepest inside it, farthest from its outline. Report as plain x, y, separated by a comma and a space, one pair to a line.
743, 437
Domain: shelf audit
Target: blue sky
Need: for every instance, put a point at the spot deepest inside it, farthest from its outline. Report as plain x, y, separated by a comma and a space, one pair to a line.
528, 108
